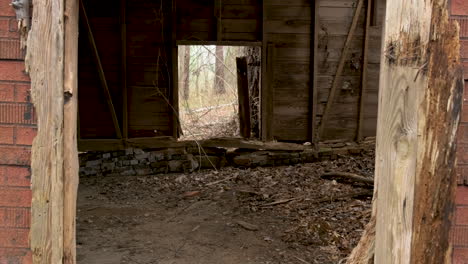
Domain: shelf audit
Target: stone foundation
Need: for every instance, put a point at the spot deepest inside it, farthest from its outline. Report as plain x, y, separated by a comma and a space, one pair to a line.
187, 159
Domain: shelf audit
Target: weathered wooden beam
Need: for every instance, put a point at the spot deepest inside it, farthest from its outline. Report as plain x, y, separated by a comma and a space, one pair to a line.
45, 65
314, 74
365, 60
263, 86
70, 114
244, 100
420, 102
219, 19
123, 70
102, 76
169, 142
220, 43
267, 93
176, 126
339, 70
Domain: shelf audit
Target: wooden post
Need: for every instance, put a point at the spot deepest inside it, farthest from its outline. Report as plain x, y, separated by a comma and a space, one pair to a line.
70, 145
45, 64
244, 100
420, 102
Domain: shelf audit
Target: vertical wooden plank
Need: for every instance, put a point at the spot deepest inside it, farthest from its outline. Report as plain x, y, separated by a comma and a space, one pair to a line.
314, 73
44, 62
176, 127
362, 96
263, 88
123, 35
70, 145
419, 108
218, 9
268, 96
244, 100
100, 69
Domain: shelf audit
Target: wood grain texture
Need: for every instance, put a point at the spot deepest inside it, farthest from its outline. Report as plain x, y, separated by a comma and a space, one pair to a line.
420, 102
70, 146
45, 64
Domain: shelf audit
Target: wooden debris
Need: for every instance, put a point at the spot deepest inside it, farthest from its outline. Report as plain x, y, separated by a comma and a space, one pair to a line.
247, 226
220, 181
347, 175
283, 201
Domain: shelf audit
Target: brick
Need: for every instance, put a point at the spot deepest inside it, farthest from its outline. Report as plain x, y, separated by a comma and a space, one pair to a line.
6, 10
25, 135
15, 176
462, 153
15, 256
459, 7
10, 49
12, 71
15, 155
6, 134
459, 236
7, 92
464, 48
7, 29
15, 217
17, 113
463, 22
461, 215
461, 197
15, 197
462, 174
23, 93
14, 238
464, 115
460, 255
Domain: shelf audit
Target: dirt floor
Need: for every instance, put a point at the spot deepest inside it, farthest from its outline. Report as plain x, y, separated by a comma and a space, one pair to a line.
231, 216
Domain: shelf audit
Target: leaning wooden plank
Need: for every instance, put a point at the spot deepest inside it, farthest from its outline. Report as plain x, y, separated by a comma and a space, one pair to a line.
339, 70
70, 114
44, 62
420, 99
102, 76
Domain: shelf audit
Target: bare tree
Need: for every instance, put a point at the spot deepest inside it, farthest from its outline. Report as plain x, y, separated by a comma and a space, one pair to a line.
186, 74
219, 71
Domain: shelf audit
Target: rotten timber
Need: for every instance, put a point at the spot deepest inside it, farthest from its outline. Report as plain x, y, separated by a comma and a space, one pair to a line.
420, 99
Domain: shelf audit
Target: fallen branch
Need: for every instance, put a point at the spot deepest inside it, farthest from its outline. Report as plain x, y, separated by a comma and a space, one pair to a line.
348, 176
220, 181
343, 196
281, 202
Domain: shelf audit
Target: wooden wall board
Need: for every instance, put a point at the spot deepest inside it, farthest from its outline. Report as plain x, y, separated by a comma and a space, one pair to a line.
282, 24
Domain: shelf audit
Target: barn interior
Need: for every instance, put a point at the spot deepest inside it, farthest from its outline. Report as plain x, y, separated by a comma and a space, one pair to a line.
290, 179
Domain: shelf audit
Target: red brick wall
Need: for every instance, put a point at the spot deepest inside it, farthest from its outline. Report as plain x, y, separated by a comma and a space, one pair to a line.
17, 130
459, 11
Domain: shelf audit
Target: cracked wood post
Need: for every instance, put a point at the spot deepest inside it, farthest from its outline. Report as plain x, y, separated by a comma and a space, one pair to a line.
420, 101
45, 64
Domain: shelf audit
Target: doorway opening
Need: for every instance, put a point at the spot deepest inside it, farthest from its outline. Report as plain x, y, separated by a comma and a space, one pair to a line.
219, 91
